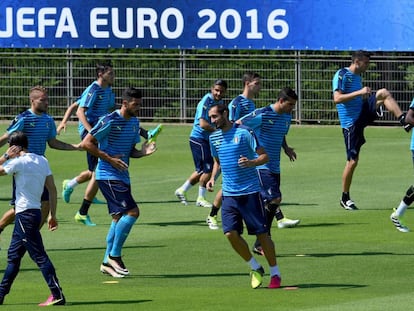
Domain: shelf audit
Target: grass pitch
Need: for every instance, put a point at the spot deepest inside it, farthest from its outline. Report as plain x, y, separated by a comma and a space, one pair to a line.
337, 259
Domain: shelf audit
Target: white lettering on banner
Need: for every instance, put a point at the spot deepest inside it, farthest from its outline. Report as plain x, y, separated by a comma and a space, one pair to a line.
179, 19
146, 18
66, 24
95, 21
129, 21
46, 17
143, 23
277, 28
9, 24
23, 21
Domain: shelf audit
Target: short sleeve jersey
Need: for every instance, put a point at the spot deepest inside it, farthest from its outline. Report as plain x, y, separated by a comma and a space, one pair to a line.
270, 127
228, 147
38, 128
98, 101
116, 136
347, 82
30, 171
202, 113
239, 107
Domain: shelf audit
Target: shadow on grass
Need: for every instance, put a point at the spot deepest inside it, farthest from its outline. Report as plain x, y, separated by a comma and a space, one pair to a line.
324, 255
318, 285
101, 248
100, 302
215, 275
177, 223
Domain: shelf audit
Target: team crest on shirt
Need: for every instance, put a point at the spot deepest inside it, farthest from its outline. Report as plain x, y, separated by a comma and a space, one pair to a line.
236, 140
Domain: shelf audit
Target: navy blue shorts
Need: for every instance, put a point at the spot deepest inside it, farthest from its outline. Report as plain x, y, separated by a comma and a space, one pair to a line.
118, 196
354, 136
90, 159
247, 208
270, 183
203, 160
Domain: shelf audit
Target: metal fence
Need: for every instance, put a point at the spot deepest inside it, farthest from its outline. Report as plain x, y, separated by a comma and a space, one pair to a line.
173, 81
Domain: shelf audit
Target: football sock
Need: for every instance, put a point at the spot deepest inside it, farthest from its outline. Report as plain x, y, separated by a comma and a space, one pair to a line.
214, 211
345, 196
72, 183
401, 208
254, 265
279, 214
186, 186
202, 191
109, 240
122, 229
274, 270
85, 207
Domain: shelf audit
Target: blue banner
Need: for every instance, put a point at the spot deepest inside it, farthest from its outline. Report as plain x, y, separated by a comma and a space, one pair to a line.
231, 24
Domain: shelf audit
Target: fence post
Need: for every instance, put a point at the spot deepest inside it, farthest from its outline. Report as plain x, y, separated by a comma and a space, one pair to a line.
298, 86
183, 87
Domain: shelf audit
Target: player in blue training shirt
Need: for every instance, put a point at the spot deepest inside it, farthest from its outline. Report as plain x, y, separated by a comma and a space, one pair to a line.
96, 100
237, 152
113, 141
243, 103
238, 107
271, 125
358, 106
41, 130
200, 149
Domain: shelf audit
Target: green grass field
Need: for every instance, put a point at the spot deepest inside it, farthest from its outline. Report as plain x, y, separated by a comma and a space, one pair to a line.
339, 260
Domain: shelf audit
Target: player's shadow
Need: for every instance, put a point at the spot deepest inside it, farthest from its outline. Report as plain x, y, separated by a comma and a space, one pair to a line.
325, 255
177, 223
110, 302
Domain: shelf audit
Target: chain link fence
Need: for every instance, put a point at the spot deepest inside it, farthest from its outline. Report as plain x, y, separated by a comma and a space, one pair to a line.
173, 81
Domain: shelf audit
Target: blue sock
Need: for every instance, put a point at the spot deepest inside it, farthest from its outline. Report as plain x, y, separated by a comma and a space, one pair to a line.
122, 230
109, 240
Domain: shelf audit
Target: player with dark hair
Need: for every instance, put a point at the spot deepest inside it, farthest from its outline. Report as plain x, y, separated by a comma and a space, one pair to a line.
32, 174
271, 125
113, 140
203, 162
358, 106
96, 100
237, 152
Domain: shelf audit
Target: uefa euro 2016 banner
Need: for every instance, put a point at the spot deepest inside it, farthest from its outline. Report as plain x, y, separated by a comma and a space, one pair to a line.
209, 24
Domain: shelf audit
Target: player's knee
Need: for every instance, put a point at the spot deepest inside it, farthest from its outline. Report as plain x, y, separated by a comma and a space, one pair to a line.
382, 95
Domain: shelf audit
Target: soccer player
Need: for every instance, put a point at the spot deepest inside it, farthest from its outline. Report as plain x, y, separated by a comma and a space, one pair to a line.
397, 216
237, 152
70, 184
113, 141
31, 173
202, 128
358, 106
96, 100
41, 130
239, 107
271, 125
